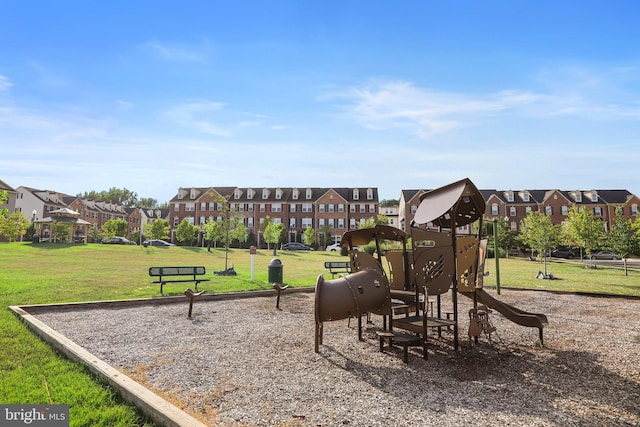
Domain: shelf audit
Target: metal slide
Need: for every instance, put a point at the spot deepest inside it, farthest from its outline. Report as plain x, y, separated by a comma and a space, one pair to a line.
524, 318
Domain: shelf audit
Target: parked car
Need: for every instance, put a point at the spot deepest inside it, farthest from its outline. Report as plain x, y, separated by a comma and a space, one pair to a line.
334, 248
603, 255
294, 246
156, 242
117, 241
337, 248
563, 253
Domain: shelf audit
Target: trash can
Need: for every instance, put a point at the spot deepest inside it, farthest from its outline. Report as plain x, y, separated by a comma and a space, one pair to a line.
275, 271
35, 238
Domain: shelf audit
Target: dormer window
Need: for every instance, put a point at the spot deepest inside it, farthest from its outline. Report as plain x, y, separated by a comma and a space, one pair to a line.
356, 194
295, 194
265, 193
193, 193
278, 194
236, 193
509, 195
250, 193
369, 194
594, 197
309, 194
578, 197
525, 197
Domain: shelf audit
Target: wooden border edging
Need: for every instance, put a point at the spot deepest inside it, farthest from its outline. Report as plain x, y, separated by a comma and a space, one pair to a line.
152, 405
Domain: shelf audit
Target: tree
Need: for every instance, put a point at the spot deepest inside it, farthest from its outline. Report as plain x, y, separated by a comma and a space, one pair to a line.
389, 202
274, 233
582, 229
623, 237
372, 221
115, 227
13, 225
540, 234
159, 229
226, 228
94, 233
186, 232
324, 231
4, 196
147, 203
309, 236
114, 195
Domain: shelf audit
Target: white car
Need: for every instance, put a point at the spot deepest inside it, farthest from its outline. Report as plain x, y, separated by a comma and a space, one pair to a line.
337, 248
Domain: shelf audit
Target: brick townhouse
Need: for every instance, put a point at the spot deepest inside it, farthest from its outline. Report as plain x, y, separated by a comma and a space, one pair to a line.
341, 209
37, 204
514, 205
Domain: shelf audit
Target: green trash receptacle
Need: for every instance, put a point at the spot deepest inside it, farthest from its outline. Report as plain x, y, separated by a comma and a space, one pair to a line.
275, 271
35, 238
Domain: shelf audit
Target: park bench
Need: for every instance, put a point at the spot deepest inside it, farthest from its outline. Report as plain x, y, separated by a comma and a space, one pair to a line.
178, 275
337, 267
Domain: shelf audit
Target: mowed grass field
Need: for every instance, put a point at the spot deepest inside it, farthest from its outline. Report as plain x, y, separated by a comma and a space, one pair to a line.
33, 373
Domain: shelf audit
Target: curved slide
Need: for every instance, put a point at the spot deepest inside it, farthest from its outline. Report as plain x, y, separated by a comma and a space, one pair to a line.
524, 318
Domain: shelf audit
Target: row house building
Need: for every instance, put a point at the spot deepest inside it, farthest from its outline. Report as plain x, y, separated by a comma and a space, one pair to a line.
334, 209
514, 205
38, 204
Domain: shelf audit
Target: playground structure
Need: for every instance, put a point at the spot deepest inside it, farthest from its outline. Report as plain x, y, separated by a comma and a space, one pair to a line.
444, 257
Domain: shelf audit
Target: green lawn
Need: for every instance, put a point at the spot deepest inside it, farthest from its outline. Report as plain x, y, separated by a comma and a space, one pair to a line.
33, 373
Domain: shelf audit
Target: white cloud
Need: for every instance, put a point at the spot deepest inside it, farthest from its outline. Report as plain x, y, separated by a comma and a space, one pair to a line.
178, 52
5, 84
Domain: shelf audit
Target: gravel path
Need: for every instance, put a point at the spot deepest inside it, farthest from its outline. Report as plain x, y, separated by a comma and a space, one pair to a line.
243, 362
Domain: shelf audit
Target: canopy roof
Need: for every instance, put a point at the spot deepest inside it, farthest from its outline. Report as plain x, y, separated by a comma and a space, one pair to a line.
62, 219
365, 235
64, 212
454, 205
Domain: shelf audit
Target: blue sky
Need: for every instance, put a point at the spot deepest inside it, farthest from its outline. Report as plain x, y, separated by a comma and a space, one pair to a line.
153, 96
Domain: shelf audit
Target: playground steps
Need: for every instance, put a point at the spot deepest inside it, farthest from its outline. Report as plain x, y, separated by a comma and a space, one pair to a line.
404, 340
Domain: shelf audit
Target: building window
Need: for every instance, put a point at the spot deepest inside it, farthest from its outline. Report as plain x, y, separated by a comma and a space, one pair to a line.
352, 224
321, 222
292, 207
276, 207
548, 210
634, 210
294, 195
597, 211
321, 208
203, 206
514, 226
236, 193
414, 208
509, 196
578, 197
363, 208
240, 207
527, 209
176, 221
356, 194
265, 193
250, 207
202, 220
372, 208
331, 207
594, 197
176, 207
262, 207
341, 207
278, 194
292, 223
525, 197
307, 222
250, 222
494, 209
512, 211
369, 194
307, 207
564, 210
352, 208
341, 223
309, 194
331, 223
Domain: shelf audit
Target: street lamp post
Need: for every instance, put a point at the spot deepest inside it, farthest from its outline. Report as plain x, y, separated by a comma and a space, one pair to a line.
496, 254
